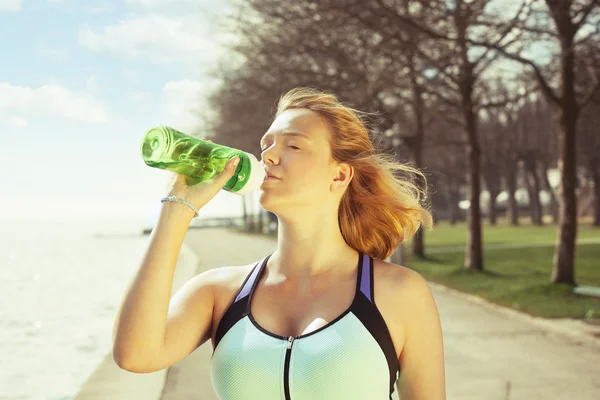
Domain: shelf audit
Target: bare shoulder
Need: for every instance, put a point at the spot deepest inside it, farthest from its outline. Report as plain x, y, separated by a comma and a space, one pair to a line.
410, 305
225, 277
226, 282
399, 282
398, 290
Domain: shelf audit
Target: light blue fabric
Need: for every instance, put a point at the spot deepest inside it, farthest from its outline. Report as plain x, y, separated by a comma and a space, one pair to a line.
342, 360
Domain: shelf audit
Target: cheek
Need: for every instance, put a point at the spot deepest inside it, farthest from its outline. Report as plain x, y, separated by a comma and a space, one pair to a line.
317, 179
309, 175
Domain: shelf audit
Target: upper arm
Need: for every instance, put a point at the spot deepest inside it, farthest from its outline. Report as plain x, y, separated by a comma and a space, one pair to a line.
189, 320
422, 372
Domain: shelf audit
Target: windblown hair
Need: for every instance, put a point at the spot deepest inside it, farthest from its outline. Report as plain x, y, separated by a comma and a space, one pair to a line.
379, 209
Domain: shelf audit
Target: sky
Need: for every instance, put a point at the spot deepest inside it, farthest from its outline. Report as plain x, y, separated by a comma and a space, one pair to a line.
81, 82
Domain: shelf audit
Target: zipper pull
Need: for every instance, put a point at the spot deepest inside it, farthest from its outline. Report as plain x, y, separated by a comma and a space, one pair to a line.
290, 341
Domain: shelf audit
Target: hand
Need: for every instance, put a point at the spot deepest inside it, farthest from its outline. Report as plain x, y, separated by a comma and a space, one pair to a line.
203, 192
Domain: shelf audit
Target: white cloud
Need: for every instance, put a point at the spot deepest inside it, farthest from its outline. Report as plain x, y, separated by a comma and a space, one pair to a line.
15, 122
180, 7
99, 6
158, 39
54, 54
153, 3
140, 97
182, 104
19, 122
10, 5
91, 84
19, 102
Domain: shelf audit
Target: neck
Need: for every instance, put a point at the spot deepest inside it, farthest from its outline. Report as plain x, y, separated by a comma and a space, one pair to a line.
311, 248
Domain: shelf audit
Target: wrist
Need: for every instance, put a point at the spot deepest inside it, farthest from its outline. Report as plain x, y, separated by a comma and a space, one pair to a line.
177, 205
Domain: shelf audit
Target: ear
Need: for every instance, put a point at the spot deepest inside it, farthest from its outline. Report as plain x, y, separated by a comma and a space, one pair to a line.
342, 178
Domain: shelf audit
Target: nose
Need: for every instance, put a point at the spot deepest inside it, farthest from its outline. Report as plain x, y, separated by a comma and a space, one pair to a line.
267, 154
271, 153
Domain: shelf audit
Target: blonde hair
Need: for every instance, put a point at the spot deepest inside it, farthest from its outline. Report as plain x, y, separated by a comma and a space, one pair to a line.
379, 210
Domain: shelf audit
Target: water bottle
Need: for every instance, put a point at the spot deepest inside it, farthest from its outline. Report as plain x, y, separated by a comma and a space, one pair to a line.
198, 160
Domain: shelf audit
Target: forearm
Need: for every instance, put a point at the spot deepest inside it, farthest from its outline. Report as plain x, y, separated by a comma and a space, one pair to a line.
139, 328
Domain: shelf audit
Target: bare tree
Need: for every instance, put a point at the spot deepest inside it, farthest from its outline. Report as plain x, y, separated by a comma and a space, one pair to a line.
510, 156
281, 47
571, 31
589, 149
444, 156
533, 132
456, 65
492, 159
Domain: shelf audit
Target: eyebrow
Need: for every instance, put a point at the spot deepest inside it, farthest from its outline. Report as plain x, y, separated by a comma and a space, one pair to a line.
298, 134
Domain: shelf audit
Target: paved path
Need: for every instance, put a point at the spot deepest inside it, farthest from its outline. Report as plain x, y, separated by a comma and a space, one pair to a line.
489, 354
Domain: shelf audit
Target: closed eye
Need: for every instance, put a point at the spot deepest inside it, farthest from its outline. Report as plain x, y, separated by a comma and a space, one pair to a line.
293, 147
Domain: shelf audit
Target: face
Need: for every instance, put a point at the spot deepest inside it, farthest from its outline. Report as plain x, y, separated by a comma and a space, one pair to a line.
296, 149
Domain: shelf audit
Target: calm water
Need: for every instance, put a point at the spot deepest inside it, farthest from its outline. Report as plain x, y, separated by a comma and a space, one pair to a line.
60, 289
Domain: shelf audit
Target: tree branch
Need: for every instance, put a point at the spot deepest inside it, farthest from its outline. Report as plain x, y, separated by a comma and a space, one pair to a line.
501, 103
441, 69
587, 99
585, 12
544, 86
503, 33
410, 22
445, 99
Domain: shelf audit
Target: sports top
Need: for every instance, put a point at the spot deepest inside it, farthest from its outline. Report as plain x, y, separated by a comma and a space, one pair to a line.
351, 357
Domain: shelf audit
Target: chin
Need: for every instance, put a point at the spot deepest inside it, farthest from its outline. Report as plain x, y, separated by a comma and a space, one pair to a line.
262, 200
272, 202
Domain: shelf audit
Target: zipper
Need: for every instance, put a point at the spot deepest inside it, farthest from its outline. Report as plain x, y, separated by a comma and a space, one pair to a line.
286, 371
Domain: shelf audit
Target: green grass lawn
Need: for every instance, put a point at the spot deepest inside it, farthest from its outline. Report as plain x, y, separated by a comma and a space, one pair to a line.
446, 235
516, 278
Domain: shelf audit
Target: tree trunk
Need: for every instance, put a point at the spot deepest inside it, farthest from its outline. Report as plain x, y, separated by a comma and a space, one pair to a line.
453, 199
245, 211
250, 222
493, 213
511, 185
533, 188
564, 257
492, 183
539, 221
272, 220
261, 221
474, 253
596, 178
397, 257
418, 249
553, 200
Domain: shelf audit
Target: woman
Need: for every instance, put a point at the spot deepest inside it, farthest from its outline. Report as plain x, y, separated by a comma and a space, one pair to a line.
323, 316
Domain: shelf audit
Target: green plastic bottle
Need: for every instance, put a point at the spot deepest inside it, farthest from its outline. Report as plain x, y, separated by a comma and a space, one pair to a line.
198, 160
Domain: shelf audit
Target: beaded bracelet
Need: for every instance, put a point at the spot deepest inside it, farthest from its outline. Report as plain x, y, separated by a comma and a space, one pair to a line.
173, 198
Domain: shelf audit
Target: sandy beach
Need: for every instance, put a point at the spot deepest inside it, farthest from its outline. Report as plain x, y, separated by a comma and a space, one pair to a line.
490, 354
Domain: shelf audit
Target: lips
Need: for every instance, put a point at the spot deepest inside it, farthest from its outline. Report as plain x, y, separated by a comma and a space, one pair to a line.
270, 175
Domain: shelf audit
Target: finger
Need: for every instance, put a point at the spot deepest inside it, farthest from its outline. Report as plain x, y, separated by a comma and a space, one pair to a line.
229, 169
